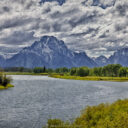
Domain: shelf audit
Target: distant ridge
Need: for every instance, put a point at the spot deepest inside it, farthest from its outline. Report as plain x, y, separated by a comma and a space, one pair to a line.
119, 57
49, 52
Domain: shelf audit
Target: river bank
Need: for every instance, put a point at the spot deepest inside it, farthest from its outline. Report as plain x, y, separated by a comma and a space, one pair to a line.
25, 73
90, 78
8, 86
102, 116
65, 76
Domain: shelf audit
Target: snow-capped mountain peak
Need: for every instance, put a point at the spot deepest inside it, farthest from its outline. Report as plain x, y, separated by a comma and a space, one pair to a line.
51, 52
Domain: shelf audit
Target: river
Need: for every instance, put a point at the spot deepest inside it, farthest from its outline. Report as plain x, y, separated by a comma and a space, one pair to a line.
34, 99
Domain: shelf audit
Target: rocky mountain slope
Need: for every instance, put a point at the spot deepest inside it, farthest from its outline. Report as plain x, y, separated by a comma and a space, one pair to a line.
101, 60
119, 57
49, 52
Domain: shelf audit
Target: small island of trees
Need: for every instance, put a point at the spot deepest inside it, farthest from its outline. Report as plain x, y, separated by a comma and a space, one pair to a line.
5, 82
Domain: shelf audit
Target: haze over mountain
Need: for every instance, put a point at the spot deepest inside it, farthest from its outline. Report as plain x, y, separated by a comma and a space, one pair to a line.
2, 61
53, 53
119, 57
101, 60
93, 26
49, 52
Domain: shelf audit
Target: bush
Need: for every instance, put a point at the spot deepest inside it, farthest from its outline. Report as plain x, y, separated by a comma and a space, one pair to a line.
123, 72
82, 71
38, 70
73, 71
4, 80
1, 78
101, 116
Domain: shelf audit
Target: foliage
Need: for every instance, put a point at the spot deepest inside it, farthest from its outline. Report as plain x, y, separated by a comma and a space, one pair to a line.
4, 80
62, 70
17, 69
123, 71
101, 116
92, 78
73, 71
110, 70
82, 71
39, 70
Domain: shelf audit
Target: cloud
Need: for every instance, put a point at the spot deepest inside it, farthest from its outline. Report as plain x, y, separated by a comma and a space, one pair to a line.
95, 26
19, 38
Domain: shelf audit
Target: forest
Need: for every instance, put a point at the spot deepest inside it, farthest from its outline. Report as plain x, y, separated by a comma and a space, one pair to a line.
111, 70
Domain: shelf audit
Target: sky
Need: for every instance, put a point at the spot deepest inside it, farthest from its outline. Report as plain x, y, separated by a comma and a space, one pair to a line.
98, 27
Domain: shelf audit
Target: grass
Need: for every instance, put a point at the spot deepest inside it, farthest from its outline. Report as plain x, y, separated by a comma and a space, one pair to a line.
90, 78
25, 73
65, 76
8, 86
107, 115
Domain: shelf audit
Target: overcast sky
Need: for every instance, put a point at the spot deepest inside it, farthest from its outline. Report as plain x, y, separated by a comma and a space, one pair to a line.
98, 27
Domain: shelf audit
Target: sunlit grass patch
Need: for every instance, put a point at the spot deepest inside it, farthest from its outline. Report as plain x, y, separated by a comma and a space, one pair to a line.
90, 78
8, 86
113, 115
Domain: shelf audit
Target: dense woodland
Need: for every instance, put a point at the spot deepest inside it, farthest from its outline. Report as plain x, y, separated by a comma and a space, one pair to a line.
111, 70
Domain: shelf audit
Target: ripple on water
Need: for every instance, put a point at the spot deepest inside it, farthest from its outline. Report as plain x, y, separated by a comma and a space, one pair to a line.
34, 99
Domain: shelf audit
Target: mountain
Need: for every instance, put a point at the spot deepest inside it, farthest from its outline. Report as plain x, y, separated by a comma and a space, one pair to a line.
119, 57
101, 60
49, 52
59, 1
2, 61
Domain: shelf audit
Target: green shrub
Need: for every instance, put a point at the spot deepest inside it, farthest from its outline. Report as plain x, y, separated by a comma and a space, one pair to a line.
123, 72
82, 71
6, 80
73, 71
38, 70
101, 116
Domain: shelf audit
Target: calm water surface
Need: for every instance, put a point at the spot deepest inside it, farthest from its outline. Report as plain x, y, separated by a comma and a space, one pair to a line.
34, 99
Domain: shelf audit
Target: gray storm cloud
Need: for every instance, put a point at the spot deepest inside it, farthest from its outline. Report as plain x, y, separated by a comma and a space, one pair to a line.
99, 26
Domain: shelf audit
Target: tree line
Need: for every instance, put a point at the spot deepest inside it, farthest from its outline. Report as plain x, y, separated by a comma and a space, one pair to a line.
111, 70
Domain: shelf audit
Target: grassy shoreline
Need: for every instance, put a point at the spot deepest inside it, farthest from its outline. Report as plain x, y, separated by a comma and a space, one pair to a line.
25, 73
104, 115
65, 76
8, 86
91, 78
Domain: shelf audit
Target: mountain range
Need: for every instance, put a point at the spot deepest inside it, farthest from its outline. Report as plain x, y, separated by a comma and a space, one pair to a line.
101, 60
49, 52
53, 53
119, 57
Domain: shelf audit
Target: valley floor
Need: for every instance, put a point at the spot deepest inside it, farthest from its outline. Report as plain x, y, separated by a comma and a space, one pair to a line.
90, 78
25, 73
65, 76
